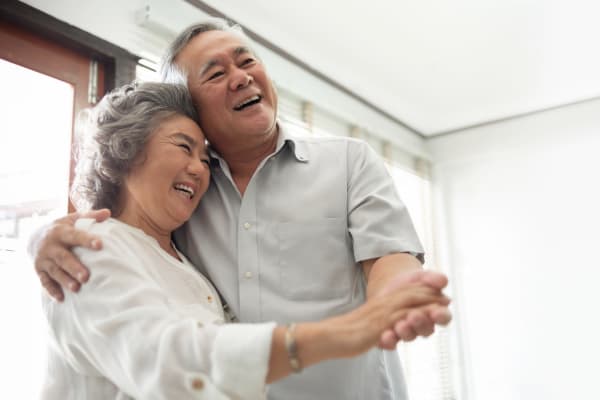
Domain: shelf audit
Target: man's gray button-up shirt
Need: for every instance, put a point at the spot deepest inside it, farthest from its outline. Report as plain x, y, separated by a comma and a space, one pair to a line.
290, 249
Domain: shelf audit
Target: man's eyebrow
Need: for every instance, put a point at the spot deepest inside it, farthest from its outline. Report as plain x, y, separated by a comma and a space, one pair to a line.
236, 53
208, 65
241, 50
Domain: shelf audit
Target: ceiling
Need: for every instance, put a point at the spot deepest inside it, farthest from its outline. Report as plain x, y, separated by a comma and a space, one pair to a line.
440, 66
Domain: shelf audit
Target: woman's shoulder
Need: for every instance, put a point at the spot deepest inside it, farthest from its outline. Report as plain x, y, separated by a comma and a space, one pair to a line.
109, 228
105, 227
125, 250
115, 235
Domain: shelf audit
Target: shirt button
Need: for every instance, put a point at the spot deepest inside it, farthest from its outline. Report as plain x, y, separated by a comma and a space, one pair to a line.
248, 275
197, 384
247, 225
209, 298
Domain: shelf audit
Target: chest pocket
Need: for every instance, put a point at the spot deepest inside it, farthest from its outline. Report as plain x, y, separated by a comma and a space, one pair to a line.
315, 259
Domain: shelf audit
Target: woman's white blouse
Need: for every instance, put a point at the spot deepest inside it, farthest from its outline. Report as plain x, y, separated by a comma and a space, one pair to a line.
148, 326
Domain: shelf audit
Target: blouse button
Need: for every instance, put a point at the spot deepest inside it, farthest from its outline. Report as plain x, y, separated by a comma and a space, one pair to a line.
198, 384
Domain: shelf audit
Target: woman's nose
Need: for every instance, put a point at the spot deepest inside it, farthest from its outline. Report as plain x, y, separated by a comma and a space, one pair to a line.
196, 167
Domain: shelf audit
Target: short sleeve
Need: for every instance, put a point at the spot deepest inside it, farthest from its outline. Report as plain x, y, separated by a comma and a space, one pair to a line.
378, 220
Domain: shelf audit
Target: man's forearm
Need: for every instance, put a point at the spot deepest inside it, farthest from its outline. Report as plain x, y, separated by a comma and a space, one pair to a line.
383, 271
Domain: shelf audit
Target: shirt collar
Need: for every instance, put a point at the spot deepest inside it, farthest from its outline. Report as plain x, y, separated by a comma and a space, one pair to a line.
287, 135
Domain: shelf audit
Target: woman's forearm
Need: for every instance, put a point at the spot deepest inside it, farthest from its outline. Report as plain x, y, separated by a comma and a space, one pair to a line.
314, 340
347, 335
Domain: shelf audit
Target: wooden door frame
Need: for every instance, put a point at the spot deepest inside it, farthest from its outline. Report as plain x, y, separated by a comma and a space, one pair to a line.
24, 28
119, 64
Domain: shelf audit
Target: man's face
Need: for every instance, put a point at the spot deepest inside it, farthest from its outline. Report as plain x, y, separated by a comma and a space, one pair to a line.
234, 96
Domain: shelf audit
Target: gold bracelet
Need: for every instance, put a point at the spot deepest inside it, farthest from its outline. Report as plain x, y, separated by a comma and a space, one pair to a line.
292, 348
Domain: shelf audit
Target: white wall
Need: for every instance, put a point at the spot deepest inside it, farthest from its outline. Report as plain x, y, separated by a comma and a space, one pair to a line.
518, 205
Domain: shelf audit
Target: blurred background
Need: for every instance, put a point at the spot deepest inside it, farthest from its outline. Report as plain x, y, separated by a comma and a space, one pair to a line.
487, 113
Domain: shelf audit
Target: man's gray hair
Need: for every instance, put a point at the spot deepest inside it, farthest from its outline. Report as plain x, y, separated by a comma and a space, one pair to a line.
115, 133
169, 71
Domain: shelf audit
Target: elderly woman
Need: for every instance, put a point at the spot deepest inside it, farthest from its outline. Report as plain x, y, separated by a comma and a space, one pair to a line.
148, 325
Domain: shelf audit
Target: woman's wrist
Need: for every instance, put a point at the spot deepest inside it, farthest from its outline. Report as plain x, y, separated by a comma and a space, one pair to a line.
319, 341
291, 347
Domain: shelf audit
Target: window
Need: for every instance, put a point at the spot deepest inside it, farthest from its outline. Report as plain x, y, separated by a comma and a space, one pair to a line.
43, 86
426, 362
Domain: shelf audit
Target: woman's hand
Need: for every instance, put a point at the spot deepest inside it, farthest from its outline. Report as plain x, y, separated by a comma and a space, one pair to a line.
54, 261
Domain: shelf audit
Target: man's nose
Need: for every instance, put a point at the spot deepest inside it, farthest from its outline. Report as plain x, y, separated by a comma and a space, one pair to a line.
241, 79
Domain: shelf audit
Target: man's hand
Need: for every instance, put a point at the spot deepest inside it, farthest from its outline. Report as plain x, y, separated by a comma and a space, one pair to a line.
420, 321
55, 263
394, 272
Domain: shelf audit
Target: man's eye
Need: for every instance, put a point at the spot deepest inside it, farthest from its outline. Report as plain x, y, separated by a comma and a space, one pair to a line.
215, 75
248, 61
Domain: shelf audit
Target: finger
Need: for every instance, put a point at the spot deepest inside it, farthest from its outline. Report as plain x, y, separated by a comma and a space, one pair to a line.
434, 279
401, 281
65, 260
60, 277
440, 315
404, 331
51, 286
418, 295
444, 300
420, 323
98, 215
388, 340
68, 219
71, 237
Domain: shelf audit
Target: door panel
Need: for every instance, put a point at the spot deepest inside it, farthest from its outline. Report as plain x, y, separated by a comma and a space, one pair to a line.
43, 86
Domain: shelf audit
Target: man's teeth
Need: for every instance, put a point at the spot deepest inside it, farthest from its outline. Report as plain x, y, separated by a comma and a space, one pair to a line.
185, 188
247, 102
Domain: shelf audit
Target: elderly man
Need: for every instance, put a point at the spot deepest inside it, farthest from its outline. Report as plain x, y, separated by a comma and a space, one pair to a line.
290, 229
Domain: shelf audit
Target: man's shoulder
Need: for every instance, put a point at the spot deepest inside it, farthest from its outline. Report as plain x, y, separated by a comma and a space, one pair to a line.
325, 143
331, 147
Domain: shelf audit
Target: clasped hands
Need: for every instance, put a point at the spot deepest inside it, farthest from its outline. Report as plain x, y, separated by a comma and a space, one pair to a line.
419, 321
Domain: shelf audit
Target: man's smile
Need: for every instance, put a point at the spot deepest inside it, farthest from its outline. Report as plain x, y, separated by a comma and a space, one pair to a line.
250, 101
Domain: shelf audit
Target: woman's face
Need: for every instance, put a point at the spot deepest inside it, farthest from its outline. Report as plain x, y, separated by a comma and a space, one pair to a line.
168, 178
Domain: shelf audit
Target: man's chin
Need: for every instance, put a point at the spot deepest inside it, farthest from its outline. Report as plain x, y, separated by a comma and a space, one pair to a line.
261, 126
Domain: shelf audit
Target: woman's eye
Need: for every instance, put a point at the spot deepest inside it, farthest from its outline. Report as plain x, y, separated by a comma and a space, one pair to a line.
248, 61
206, 161
186, 147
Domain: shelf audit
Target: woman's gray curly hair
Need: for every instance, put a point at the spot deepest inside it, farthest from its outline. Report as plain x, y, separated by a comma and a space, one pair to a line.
115, 133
